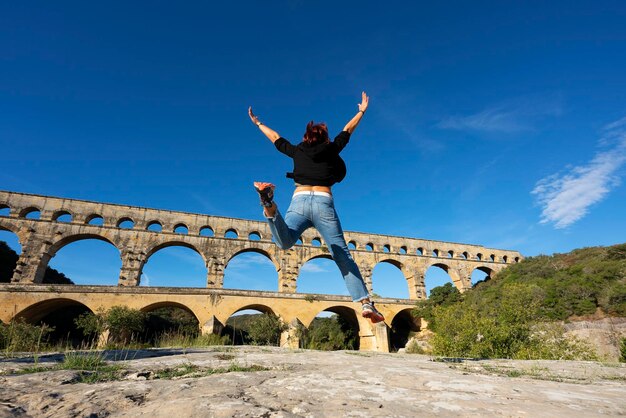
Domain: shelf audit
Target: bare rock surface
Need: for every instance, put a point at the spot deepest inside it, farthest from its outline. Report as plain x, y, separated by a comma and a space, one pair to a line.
302, 383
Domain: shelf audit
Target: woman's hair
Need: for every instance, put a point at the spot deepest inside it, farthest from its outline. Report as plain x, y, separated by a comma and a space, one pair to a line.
316, 133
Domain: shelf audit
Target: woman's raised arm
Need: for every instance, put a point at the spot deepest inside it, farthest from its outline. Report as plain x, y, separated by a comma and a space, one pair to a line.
271, 134
351, 126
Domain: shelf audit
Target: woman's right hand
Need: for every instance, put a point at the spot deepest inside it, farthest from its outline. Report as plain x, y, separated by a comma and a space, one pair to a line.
253, 117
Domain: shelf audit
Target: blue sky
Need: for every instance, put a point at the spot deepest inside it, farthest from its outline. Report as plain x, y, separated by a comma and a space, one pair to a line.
495, 123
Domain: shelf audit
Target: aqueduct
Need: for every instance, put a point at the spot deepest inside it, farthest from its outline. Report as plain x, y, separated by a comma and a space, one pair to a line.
45, 224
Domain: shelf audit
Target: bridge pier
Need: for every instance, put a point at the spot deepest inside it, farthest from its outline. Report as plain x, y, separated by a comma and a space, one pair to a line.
32, 262
212, 326
132, 262
290, 338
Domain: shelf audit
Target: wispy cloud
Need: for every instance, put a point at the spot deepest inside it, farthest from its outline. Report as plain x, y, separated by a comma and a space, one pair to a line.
566, 197
313, 268
510, 117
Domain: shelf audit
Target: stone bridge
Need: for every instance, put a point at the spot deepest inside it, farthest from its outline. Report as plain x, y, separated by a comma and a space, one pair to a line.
45, 224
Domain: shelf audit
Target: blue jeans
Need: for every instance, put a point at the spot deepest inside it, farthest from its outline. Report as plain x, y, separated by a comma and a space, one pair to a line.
316, 211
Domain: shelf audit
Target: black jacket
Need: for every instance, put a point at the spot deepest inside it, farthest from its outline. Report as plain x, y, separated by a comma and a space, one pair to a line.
316, 165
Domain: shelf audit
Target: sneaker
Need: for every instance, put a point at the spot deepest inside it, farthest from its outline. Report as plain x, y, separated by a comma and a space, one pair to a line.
266, 193
368, 310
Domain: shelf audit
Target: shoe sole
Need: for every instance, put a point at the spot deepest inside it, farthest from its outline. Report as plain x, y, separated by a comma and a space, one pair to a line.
374, 317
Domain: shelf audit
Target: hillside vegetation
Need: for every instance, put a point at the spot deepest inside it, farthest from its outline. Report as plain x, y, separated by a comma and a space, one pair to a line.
514, 314
8, 261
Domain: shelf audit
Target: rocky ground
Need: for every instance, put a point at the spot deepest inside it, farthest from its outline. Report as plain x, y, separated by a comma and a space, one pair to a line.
301, 383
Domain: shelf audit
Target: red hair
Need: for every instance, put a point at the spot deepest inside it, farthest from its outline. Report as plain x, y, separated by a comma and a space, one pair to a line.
316, 133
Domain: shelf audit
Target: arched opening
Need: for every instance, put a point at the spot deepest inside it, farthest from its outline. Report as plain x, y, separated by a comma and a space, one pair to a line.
10, 250
181, 229
84, 260
463, 255
62, 216
155, 226
316, 242
231, 233
254, 236
403, 327
335, 328
386, 248
352, 245
480, 275
435, 253
320, 275
94, 219
492, 258
30, 213
369, 246
60, 314
299, 241
420, 251
388, 280
168, 324
479, 256
251, 269
5, 210
207, 231
174, 264
450, 254
505, 259
253, 324
517, 259
436, 275
125, 223
403, 250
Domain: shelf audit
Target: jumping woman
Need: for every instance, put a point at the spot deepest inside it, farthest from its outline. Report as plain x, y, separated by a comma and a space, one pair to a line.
317, 167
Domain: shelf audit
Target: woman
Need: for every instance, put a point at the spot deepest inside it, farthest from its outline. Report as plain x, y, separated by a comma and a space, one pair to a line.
317, 166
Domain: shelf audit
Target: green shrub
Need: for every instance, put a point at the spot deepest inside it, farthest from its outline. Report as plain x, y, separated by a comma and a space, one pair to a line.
328, 334
266, 330
414, 348
20, 336
623, 351
123, 324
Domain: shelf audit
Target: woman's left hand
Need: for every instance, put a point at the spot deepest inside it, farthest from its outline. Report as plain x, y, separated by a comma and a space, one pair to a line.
364, 102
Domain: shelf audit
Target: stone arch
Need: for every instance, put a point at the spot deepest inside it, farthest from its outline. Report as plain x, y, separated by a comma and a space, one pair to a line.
156, 226
238, 275
176, 243
206, 231
485, 269
35, 312
257, 251
323, 278
255, 236
348, 314
253, 306
453, 274
123, 220
181, 228
231, 231
93, 216
400, 266
59, 313
28, 210
62, 212
5, 206
56, 246
166, 304
403, 324
11, 227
